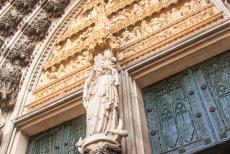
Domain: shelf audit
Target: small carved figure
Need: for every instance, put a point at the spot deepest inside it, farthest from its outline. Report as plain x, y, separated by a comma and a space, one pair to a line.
186, 9
137, 31
57, 51
127, 36
119, 18
52, 73
136, 9
61, 71
155, 24
145, 27
176, 14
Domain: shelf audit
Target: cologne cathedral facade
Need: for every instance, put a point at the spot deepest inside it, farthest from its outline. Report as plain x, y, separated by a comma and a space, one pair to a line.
74, 69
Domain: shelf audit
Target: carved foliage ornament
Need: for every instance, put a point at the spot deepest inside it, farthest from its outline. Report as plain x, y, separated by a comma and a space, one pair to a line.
9, 22
9, 84
55, 8
22, 52
24, 6
37, 29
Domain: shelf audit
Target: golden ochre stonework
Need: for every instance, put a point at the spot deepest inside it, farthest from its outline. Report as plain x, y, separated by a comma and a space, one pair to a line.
133, 29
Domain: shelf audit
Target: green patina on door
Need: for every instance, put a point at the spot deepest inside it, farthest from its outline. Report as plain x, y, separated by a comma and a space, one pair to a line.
191, 110
60, 139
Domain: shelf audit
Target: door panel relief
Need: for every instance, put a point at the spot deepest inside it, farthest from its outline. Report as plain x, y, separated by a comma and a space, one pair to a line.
60, 139
190, 111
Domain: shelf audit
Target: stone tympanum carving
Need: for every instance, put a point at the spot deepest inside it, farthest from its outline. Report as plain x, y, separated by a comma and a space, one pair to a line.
101, 101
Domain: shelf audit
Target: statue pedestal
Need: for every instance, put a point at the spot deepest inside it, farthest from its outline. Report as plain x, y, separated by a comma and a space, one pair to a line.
101, 143
102, 148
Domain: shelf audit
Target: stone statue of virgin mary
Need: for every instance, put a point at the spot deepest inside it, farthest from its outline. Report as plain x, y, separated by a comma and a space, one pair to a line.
101, 101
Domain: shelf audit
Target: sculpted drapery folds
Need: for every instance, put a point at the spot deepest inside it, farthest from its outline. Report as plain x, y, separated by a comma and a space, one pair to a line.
100, 99
100, 95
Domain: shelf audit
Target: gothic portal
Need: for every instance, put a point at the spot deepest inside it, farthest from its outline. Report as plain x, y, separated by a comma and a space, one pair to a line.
114, 76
